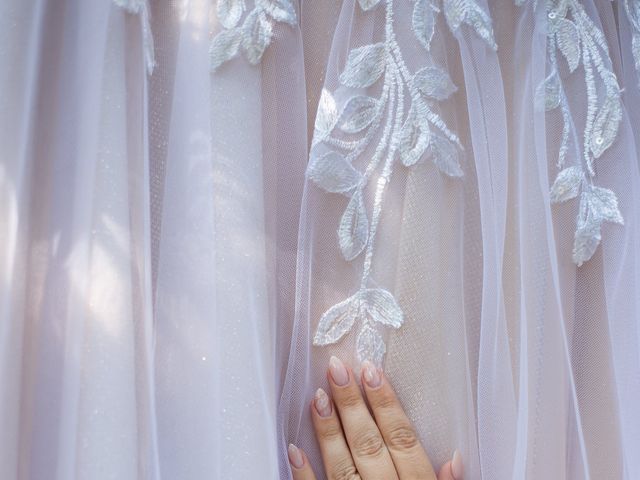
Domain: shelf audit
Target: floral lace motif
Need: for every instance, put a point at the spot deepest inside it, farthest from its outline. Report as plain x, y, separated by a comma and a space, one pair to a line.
344, 134
141, 8
253, 35
571, 32
632, 8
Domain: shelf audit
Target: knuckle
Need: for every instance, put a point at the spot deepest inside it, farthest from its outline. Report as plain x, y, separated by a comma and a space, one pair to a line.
385, 401
349, 399
330, 431
402, 437
343, 470
368, 444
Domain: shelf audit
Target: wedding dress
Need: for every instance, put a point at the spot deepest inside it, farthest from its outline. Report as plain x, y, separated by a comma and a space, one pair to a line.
201, 201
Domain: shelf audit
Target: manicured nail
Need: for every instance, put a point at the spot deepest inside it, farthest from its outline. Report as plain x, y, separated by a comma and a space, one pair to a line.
295, 456
338, 372
371, 374
322, 403
456, 465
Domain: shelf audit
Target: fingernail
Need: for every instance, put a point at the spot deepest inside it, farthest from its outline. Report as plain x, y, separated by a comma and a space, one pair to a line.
456, 465
295, 456
371, 374
338, 372
322, 403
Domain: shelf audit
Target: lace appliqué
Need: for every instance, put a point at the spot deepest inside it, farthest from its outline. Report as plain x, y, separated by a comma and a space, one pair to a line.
253, 35
632, 8
141, 8
571, 32
380, 123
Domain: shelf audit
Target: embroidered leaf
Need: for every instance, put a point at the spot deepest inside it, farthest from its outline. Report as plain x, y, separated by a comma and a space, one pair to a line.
547, 96
358, 113
424, 22
586, 241
370, 345
131, 6
445, 156
414, 139
368, 4
567, 184
229, 12
364, 66
605, 126
333, 173
257, 32
354, 227
224, 47
337, 321
434, 82
603, 205
326, 117
597, 205
458, 12
280, 10
569, 42
635, 49
382, 307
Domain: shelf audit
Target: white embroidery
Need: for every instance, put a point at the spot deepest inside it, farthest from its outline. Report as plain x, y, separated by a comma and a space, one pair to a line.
141, 8
632, 8
581, 42
255, 33
379, 129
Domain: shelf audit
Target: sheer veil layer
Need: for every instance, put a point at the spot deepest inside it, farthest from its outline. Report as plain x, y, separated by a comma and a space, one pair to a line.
201, 201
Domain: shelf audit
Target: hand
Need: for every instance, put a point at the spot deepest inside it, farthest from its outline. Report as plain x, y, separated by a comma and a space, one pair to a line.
358, 446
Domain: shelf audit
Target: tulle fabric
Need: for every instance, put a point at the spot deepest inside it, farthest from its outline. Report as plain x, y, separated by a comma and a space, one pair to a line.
164, 263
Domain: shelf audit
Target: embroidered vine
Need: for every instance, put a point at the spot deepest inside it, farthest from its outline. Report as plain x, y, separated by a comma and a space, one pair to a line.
632, 8
345, 135
571, 32
141, 8
253, 35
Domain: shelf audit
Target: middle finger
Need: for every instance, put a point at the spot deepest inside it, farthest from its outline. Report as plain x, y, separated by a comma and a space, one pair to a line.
365, 441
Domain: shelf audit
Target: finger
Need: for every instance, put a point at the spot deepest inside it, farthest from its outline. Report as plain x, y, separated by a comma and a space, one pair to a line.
445, 472
299, 462
336, 456
409, 457
452, 470
367, 447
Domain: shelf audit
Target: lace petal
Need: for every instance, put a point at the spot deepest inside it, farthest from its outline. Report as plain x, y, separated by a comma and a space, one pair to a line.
567, 184
370, 345
358, 113
383, 308
569, 42
333, 173
434, 82
337, 321
445, 156
364, 66
225, 46
354, 227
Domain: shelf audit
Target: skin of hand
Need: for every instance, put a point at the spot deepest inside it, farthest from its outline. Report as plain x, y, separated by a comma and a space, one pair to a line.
358, 442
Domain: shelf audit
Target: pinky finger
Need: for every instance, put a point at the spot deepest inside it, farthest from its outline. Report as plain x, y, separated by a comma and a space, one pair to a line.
299, 462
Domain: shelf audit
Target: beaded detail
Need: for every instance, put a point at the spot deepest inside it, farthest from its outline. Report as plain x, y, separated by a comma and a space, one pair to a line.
141, 8
253, 35
349, 124
580, 42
